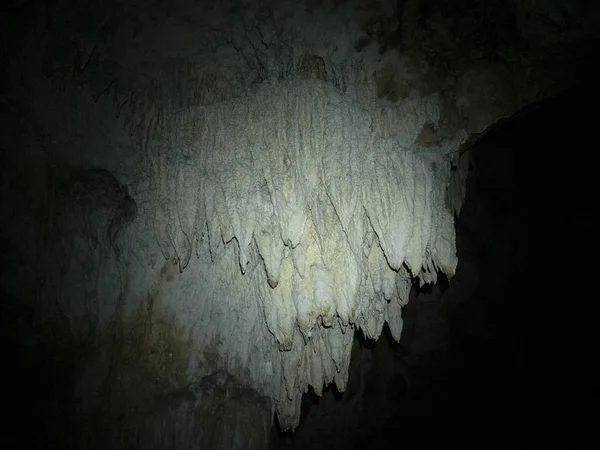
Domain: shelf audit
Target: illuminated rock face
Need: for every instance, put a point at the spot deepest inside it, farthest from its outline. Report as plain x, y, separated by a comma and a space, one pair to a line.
275, 227
237, 186
305, 209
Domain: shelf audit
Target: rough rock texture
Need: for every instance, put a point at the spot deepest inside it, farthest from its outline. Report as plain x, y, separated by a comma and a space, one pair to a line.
216, 412
379, 380
199, 186
495, 354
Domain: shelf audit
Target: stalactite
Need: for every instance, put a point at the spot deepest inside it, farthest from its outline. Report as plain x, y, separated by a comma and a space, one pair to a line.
323, 200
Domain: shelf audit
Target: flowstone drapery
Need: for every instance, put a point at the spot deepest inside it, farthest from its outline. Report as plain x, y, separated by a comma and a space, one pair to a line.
313, 209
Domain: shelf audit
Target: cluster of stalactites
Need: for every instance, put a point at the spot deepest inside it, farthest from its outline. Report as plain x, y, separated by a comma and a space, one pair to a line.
331, 193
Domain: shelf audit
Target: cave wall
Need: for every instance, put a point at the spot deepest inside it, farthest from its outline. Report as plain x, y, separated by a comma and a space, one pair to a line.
194, 187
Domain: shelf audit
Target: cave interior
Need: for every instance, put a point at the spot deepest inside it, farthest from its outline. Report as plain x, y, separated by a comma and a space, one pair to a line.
111, 117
